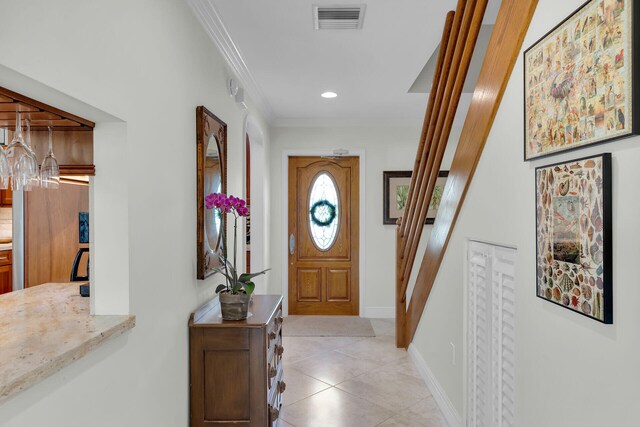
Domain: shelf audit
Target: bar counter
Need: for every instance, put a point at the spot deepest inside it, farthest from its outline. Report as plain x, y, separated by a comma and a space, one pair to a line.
45, 328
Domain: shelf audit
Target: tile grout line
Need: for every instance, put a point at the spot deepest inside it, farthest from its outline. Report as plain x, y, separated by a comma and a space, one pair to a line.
376, 404
312, 377
340, 350
385, 420
370, 402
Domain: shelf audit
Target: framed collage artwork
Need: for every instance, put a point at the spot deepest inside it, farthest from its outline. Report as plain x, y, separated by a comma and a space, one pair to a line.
573, 235
580, 80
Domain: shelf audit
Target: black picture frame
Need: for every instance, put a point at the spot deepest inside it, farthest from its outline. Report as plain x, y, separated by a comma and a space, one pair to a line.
387, 217
634, 40
607, 242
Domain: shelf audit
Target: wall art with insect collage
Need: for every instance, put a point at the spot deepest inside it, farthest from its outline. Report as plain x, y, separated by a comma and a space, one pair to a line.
579, 85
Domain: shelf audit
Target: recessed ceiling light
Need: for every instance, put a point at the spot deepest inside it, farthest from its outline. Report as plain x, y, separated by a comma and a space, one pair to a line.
329, 95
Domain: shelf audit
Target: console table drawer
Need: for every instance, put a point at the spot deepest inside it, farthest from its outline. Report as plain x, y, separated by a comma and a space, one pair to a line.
225, 359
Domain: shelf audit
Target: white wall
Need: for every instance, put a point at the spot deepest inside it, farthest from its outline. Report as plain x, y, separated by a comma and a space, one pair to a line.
149, 63
571, 371
386, 148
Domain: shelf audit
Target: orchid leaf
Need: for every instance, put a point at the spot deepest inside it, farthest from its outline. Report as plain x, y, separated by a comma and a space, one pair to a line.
246, 277
230, 269
249, 287
220, 288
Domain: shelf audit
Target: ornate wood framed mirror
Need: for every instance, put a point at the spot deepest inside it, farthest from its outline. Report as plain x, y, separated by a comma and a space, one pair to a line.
211, 140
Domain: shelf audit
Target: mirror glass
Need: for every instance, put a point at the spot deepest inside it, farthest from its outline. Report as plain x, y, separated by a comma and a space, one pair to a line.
212, 184
211, 142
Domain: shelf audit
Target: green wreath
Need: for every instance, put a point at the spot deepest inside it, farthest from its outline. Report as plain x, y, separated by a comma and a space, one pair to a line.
331, 210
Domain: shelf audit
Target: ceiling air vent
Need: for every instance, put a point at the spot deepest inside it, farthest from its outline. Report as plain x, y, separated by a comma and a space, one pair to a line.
338, 17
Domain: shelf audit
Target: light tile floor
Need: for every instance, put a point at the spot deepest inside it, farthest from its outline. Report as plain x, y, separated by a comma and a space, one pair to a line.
354, 382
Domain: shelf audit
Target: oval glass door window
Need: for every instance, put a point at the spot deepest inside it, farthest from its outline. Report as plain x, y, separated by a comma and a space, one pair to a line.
324, 208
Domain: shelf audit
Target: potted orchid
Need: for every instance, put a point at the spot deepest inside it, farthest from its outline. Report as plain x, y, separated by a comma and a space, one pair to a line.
236, 292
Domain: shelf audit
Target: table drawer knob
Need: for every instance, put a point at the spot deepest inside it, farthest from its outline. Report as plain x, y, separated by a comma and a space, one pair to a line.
275, 413
282, 386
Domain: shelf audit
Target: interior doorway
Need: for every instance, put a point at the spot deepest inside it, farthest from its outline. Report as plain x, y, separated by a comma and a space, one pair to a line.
324, 235
255, 194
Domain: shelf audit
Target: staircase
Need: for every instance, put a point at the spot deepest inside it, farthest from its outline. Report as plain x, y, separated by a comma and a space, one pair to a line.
456, 49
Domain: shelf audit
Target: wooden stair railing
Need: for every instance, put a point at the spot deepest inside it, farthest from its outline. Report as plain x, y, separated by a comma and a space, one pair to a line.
438, 136
458, 42
456, 49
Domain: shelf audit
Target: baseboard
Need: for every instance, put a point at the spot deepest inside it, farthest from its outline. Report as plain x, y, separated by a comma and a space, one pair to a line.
448, 410
380, 312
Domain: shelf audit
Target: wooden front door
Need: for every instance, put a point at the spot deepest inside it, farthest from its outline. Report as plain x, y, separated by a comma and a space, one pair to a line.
324, 234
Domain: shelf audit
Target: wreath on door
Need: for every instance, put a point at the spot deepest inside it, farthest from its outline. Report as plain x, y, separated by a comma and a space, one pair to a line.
323, 212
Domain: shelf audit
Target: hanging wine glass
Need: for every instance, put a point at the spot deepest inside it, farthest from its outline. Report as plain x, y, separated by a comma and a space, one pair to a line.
22, 161
35, 180
4, 169
50, 171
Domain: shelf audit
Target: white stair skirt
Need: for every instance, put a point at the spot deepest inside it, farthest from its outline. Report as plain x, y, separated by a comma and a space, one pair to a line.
490, 335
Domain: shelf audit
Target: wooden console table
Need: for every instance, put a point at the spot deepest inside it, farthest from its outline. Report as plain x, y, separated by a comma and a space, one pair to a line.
236, 366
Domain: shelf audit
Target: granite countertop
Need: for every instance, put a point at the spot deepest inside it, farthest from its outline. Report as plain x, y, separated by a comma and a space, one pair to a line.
45, 328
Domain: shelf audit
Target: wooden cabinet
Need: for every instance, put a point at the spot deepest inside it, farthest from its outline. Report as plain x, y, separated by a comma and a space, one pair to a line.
6, 197
6, 272
51, 233
236, 366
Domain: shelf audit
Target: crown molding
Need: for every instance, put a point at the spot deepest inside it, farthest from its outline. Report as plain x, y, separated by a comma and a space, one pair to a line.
347, 122
213, 25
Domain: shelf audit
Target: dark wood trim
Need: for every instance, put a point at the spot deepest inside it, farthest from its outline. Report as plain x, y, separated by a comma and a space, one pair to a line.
10, 97
207, 124
46, 128
78, 170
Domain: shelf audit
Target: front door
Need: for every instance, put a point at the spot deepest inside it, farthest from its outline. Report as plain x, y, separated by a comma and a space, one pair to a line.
324, 196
